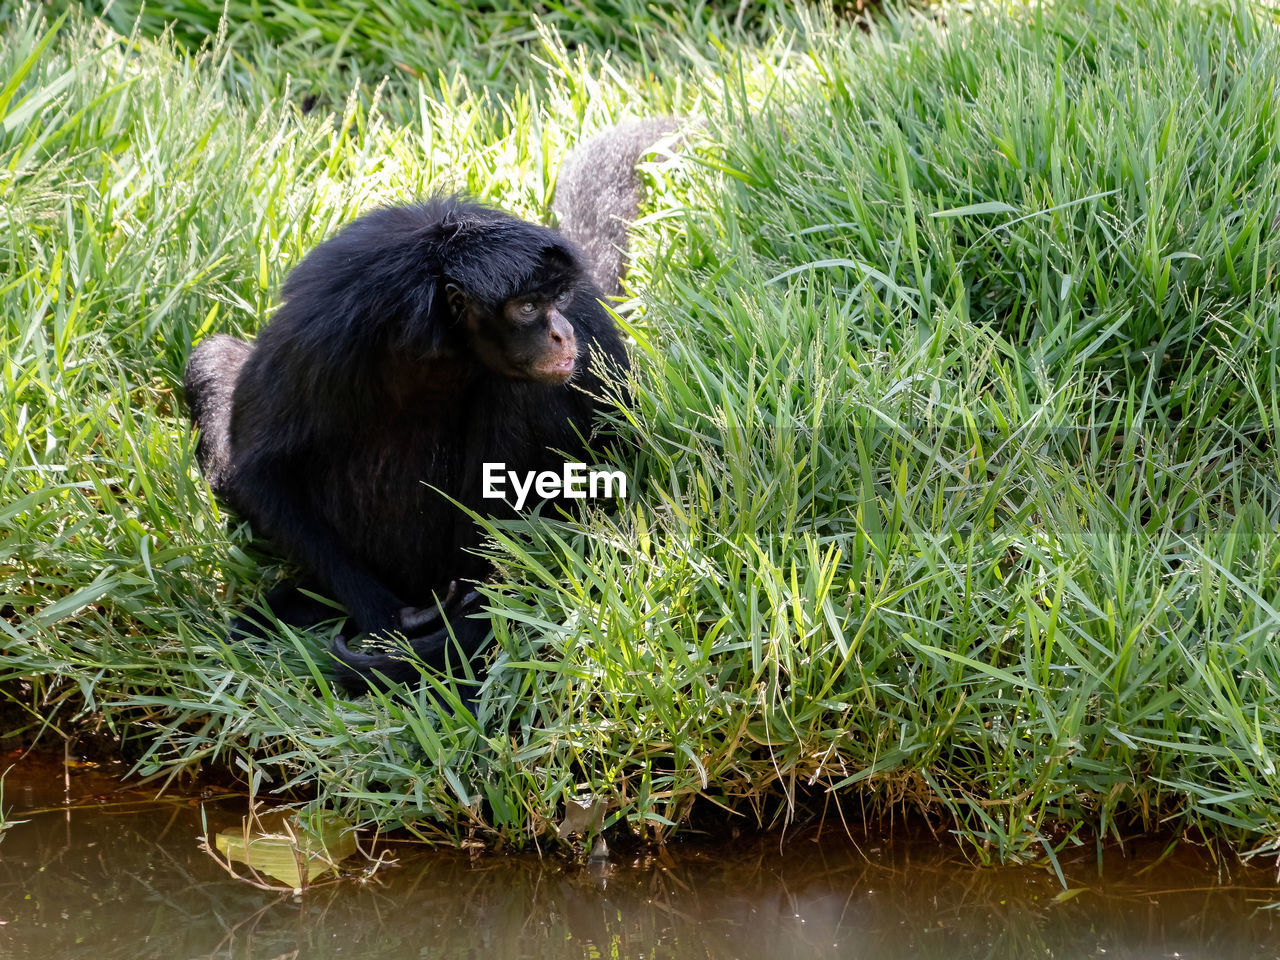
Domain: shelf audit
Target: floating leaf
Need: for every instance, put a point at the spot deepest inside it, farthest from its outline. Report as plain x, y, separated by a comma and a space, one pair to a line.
582, 816
277, 844
1066, 895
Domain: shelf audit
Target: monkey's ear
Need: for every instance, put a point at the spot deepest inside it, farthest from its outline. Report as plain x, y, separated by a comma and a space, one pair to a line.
457, 299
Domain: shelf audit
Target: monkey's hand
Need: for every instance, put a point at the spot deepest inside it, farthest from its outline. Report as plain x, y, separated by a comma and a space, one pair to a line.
457, 602
424, 632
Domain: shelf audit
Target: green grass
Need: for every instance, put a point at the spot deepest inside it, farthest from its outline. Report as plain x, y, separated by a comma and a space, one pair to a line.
953, 461
487, 46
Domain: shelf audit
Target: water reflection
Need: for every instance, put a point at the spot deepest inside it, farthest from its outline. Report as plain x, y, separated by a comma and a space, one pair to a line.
124, 878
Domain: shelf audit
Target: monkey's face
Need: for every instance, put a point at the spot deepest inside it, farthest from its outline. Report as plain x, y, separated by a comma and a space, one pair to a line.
528, 337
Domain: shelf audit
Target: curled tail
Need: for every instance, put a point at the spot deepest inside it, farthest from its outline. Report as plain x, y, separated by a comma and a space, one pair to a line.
598, 194
209, 380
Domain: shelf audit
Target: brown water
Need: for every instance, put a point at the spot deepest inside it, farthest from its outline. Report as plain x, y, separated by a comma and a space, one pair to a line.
114, 876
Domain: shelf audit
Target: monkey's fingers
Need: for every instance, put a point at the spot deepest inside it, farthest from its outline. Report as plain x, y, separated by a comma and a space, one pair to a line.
416, 619
376, 664
458, 600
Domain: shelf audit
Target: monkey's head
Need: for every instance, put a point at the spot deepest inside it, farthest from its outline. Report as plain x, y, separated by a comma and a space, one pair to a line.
525, 332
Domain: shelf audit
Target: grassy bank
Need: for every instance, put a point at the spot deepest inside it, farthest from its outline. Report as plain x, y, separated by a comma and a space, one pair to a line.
954, 483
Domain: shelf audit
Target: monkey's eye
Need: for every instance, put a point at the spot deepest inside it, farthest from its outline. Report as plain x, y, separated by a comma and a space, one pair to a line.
528, 310
564, 299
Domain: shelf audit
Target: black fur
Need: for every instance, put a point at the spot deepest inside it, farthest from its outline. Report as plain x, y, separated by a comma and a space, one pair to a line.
365, 391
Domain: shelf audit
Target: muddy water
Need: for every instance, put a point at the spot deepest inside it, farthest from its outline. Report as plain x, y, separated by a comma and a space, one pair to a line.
115, 876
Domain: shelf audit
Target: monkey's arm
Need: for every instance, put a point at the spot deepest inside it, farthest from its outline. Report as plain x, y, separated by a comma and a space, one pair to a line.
269, 492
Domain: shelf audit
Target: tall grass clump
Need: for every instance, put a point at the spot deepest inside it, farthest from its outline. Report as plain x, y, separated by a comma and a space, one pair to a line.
983, 324
325, 45
953, 482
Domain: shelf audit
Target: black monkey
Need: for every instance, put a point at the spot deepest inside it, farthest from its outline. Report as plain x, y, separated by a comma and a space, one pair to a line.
416, 345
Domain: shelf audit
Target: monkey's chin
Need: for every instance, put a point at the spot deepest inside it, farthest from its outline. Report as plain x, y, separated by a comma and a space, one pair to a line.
556, 374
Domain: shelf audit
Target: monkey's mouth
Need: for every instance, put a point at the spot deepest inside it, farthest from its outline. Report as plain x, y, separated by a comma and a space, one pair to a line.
561, 371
